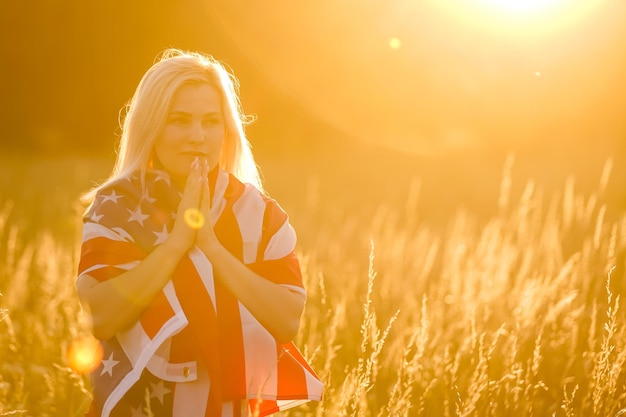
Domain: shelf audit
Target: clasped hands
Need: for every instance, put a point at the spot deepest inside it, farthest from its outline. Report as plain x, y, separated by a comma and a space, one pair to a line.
193, 223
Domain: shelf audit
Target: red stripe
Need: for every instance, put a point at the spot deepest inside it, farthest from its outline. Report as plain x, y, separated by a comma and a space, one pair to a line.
203, 325
103, 274
101, 250
292, 379
273, 219
156, 314
265, 407
295, 353
280, 271
229, 320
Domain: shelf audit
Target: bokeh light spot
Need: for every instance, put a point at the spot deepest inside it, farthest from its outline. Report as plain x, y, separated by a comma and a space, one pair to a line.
395, 43
194, 218
84, 354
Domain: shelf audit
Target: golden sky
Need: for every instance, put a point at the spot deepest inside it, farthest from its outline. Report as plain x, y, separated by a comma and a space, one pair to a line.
420, 75
430, 75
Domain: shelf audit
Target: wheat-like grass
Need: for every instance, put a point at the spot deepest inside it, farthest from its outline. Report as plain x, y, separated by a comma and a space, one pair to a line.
514, 315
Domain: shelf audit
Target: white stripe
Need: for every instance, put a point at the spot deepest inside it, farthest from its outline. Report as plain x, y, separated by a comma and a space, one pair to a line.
93, 230
282, 243
205, 271
159, 364
127, 267
123, 233
260, 357
190, 398
171, 326
295, 288
313, 386
139, 348
218, 203
249, 210
132, 341
286, 404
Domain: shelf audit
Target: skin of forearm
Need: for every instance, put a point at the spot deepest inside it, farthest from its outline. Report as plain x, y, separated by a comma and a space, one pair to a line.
277, 308
116, 303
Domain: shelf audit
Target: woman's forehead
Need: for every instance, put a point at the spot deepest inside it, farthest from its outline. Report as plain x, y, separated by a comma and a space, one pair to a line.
196, 96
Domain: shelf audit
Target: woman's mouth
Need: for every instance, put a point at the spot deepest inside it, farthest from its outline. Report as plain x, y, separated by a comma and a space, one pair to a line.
195, 154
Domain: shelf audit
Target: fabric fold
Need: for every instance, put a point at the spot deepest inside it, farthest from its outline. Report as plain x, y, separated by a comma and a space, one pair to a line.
195, 321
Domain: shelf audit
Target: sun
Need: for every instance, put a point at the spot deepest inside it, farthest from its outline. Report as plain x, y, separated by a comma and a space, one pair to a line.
519, 18
523, 7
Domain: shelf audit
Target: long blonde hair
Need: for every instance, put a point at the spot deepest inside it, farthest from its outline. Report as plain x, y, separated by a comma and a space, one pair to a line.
146, 112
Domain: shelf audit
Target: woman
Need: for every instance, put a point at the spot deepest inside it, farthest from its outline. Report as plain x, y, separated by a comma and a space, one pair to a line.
187, 267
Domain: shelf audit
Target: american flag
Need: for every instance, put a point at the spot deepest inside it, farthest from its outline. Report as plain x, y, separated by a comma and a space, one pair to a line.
195, 346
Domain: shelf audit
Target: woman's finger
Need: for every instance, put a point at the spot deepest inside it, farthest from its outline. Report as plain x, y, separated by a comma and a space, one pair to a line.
191, 194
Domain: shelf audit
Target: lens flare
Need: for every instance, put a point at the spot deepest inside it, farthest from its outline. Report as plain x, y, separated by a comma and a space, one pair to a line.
84, 354
194, 218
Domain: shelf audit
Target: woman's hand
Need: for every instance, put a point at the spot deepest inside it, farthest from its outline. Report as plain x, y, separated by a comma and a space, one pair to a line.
185, 228
277, 308
205, 238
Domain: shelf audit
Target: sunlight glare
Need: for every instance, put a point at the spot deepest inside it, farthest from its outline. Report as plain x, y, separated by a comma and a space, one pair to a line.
395, 43
523, 6
84, 354
194, 218
526, 18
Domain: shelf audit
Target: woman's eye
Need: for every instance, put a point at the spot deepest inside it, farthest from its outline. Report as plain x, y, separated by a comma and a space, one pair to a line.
212, 121
178, 121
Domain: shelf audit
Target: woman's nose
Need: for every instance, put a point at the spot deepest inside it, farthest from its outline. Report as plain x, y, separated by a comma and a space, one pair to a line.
196, 133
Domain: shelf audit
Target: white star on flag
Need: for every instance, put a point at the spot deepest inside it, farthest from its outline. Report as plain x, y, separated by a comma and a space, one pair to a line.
137, 412
108, 364
146, 197
162, 176
111, 197
158, 391
161, 236
137, 216
96, 217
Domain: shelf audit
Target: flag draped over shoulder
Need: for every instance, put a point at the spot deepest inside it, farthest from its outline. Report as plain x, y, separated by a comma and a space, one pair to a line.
194, 324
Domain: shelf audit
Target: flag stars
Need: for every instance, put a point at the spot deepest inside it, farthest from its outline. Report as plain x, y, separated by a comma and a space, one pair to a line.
96, 217
130, 179
146, 197
161, 236
111, 197
137, 412
158, 391
137, 216
108, 364
162, 176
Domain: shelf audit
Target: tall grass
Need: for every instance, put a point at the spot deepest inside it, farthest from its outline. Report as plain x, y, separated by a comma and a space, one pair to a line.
517, 315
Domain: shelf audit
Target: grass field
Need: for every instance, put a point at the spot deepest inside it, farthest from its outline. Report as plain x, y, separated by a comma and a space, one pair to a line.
517, 313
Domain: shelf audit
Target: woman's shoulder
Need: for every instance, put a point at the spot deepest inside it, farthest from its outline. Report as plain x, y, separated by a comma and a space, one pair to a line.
123, 185
117, 190
248, 193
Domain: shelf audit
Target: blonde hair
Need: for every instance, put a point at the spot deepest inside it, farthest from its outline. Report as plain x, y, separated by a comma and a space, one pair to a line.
146, 112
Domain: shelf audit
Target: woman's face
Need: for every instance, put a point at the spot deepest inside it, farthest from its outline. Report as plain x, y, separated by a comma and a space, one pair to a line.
194, 128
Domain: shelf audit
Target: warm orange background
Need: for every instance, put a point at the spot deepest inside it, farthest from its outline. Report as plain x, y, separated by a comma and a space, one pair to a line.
459, 78
463, 85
